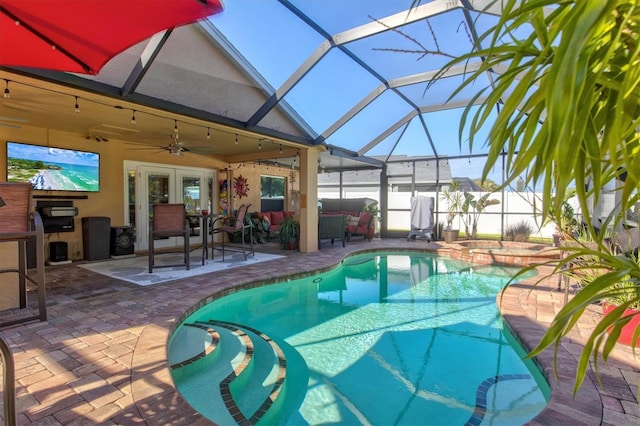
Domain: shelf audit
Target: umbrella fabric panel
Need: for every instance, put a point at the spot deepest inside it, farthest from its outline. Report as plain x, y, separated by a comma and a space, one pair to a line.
83, 35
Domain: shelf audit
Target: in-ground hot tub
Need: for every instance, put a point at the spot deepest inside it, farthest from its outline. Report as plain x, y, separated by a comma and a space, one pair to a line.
488, 252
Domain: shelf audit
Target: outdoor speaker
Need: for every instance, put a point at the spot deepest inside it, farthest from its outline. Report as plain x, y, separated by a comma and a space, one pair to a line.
58, 251
122, 239
95, 237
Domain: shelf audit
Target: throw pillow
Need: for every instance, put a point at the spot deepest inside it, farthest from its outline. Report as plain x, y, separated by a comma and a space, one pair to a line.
352, 220
277, 217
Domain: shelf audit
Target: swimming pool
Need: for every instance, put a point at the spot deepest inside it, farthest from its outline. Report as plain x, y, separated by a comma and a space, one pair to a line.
386, 338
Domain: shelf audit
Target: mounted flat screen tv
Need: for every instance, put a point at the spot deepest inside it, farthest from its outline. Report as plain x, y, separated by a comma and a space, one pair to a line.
53, 169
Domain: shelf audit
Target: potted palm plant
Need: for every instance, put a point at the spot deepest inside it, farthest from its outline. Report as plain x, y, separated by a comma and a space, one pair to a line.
623, 304
472, 209
289, 233
620, 303
454, 199
556, 89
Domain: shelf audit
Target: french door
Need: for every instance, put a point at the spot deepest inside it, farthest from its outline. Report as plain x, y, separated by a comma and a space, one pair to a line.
159, 184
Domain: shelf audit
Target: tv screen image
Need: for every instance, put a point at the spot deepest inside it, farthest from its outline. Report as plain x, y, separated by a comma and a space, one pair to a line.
53, 169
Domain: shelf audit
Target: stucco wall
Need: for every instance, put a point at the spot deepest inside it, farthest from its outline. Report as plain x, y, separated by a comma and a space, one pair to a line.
110, 200
252, 173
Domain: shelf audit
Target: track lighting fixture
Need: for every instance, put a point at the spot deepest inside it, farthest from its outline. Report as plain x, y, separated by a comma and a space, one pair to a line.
7, 93
175, 136
133, 121
97, 138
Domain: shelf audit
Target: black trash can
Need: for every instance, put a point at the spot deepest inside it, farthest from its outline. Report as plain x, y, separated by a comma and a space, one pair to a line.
96, 233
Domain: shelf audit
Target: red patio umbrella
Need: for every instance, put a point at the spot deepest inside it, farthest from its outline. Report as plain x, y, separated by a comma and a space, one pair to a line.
83, 35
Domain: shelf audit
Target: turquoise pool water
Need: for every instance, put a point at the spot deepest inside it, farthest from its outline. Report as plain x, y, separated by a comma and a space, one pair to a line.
386, 338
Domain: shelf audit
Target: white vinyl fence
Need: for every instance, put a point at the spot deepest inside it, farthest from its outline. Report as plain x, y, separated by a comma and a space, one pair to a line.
517, 207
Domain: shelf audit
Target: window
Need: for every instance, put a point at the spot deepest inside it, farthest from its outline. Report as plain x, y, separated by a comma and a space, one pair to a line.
272, 190
272, 187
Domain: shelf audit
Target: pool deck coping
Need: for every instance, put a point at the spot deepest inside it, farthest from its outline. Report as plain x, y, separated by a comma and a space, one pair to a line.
101, 357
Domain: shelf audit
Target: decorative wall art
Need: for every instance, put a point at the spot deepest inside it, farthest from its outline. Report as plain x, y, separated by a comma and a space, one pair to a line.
240, 186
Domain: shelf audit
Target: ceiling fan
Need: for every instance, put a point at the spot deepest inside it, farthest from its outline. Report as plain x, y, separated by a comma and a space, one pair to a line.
176, 147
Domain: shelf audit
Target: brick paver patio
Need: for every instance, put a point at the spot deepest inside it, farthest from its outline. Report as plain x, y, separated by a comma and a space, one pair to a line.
101, 356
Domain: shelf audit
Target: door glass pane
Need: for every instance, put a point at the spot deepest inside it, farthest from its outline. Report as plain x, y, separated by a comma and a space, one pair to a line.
191, 194
210, 203
131, 182
191, 200
158, 189
158, 193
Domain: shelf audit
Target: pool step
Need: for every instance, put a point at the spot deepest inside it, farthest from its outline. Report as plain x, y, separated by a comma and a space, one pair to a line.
241, 368
199, 376
190, 343
257, 383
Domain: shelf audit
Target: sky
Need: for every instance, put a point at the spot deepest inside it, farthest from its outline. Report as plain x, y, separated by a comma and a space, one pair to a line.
277, 42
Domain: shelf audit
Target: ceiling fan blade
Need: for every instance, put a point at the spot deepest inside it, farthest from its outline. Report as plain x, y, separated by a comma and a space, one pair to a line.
13, 126
17, 119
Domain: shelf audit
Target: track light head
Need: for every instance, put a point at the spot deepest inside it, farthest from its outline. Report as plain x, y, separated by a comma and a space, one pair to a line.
7, 93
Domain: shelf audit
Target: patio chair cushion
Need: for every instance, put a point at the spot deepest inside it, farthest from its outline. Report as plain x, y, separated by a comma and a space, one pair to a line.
353, 220
276, 218
365, 218
364, 227
273, 220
